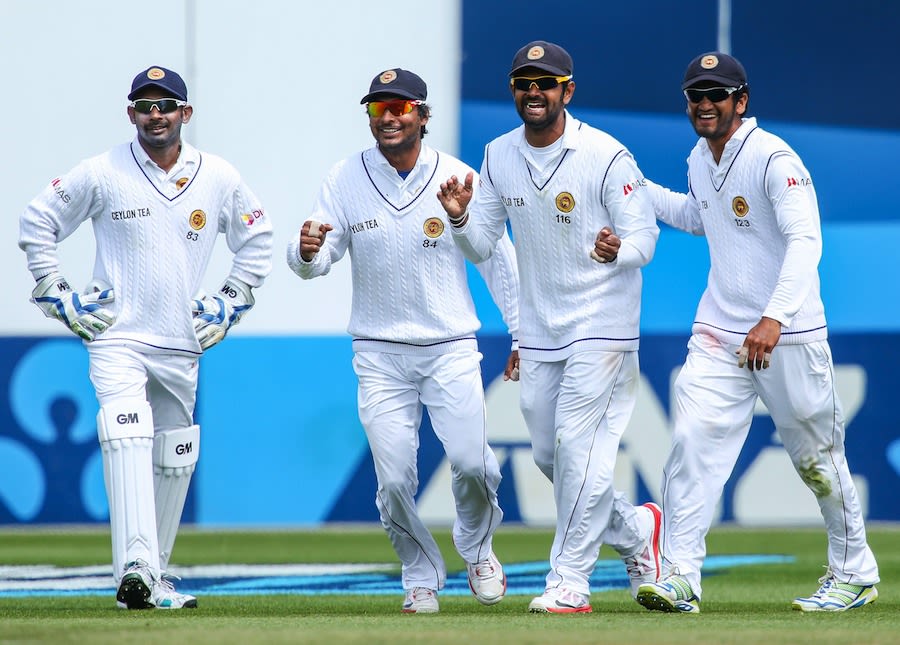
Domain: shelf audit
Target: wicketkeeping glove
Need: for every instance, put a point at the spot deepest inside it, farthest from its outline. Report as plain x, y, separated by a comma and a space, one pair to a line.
83, 313
215, 315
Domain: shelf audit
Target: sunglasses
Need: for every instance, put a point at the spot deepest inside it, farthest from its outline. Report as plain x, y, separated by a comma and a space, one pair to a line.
543, 83
714, 94
397, 107
165, 106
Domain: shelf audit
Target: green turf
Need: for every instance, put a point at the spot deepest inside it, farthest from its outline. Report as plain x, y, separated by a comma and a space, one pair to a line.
749, 604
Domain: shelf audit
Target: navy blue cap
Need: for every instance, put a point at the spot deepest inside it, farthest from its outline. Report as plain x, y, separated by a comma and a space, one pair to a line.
162, 78
545, 56
396, 82
717, 67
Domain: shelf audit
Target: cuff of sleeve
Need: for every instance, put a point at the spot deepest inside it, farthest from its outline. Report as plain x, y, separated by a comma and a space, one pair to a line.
778, 316
458, 222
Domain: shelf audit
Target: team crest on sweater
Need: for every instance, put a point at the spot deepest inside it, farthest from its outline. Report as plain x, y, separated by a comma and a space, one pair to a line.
197, 219
740, 206
433, 227
565, 202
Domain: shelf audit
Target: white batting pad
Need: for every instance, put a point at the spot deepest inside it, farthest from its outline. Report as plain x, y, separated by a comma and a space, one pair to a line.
175, 454
126, 441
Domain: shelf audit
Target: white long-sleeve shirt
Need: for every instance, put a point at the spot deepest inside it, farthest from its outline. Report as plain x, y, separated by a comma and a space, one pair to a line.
155, 233
757, 208
410, 290
569, 302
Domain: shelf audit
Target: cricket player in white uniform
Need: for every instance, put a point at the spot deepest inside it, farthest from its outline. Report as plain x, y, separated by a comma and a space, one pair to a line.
583, 229
156, 205
413, 324
759, 332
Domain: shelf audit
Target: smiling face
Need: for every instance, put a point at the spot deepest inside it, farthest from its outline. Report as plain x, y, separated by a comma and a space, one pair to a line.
157, 131
717, 121
542, 111
397, 134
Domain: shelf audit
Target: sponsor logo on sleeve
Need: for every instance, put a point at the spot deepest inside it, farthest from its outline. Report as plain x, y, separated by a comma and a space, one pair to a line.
803, 181
627, 189
250, 218
58, 189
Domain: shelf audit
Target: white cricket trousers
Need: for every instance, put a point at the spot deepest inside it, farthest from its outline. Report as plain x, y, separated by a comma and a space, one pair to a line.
393, 388
169, 384
713, 410
167, 381
576, 411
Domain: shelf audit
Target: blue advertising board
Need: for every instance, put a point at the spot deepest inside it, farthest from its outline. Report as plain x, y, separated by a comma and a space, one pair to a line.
282, 445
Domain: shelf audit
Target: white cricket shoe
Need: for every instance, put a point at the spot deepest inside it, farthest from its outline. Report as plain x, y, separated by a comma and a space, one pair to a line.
487, 581
138, 589
560, 601
644, 566
836, 596
136, 586
420, 600
165, 597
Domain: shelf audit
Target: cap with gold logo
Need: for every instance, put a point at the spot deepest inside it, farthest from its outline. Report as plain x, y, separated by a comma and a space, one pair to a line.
542, 55
717, 67
396, 83
162, 78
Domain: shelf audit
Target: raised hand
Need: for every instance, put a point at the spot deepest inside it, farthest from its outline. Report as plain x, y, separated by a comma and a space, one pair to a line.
312, 236
455, 197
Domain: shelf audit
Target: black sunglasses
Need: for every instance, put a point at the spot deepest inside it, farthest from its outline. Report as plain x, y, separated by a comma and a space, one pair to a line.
714, 94
165, 106
543, 83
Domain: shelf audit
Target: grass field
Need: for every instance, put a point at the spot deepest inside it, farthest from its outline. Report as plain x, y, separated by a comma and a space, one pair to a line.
748, 604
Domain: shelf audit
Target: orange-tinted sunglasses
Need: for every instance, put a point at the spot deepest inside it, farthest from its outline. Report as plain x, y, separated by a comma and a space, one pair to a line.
397, 107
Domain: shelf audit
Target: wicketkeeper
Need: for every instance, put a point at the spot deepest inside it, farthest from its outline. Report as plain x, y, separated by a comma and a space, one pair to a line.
156, 205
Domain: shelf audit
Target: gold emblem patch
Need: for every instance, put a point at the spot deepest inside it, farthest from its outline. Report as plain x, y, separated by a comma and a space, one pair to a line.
740, 206
155, 73
709, 61
535, 52
198, 219
388, 76
433, 227
565, 202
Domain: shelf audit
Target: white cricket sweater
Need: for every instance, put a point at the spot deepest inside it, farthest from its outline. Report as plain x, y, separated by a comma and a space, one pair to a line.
152, 248
410, 291
759, 212
569, 302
